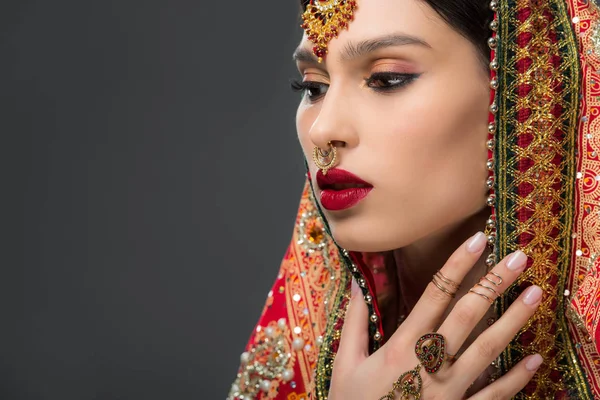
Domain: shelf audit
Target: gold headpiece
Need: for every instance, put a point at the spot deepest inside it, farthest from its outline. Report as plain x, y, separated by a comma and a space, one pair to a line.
323, 21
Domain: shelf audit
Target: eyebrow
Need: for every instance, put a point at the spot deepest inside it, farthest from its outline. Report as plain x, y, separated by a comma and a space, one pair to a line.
356, 50
302, 54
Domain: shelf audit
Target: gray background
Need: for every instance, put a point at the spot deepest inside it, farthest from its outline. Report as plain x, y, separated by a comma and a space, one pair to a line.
150, 176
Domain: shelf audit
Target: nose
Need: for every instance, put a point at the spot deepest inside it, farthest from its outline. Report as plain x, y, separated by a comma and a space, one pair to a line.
334, 124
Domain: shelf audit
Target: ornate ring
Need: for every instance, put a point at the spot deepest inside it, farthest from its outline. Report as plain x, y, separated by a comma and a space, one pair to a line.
325, 160
431, 352
439, 279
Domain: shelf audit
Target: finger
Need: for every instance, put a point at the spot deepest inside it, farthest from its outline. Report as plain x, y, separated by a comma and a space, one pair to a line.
433, 303
510, 384
471, 308
493, 340
354, 341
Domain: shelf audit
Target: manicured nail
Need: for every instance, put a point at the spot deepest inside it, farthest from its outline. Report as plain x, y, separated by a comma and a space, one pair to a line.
517, 261
476, 243
532, 295
355, 288
534, 362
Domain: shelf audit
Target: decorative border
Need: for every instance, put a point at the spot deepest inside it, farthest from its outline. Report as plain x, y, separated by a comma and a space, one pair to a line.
535, 153
282, 353
584, 291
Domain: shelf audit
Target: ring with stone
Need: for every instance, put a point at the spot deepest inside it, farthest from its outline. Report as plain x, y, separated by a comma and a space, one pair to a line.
431, 351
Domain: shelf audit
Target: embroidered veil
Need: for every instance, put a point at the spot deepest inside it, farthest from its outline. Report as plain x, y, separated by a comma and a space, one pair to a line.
544, 153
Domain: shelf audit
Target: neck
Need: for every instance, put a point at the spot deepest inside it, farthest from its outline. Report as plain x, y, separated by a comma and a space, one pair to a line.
417, 263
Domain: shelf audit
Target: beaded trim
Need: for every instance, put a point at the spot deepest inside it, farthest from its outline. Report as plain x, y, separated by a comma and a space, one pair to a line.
490, 228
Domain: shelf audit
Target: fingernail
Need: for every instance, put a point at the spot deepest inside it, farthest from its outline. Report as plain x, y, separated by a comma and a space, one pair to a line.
532, 295
534, 362
355, 288
476, 243
517, 261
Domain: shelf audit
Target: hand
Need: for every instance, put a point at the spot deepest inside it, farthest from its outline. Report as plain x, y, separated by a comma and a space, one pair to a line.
358, 376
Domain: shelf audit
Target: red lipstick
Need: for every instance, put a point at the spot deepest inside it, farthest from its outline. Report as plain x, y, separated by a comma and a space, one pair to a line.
340, 189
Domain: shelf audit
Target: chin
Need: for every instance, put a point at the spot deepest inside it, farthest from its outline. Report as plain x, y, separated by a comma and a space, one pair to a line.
371, 237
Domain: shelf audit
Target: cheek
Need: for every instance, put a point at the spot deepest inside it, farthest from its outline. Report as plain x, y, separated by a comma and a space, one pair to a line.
456, 160
433, 155
447, 130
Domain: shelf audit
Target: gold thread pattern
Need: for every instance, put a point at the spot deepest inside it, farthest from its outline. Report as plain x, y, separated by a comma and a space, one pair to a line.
536, 152
281, 356
583, 293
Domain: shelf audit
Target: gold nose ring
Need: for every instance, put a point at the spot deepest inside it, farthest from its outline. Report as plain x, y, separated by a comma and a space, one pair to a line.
325, 160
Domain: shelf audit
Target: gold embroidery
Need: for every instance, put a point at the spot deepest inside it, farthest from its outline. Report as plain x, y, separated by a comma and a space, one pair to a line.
332, 335
264, 363
535, 153
596, 39
296, 396
315, 284
585, 236
289, 346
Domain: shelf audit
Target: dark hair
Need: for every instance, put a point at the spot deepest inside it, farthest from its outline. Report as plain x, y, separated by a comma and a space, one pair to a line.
470, 18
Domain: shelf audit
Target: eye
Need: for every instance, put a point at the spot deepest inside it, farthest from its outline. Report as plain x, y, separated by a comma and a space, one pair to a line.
311, 89
389, 81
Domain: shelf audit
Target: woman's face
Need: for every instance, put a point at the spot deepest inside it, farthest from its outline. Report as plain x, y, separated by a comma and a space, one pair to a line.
404, 98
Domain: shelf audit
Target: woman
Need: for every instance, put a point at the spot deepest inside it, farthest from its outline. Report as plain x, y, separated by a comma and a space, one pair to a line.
433, 128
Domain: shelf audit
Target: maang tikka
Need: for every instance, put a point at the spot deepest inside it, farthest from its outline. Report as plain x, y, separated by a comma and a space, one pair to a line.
323, 21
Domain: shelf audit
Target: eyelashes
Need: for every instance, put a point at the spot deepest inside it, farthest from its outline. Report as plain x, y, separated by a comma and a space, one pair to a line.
381, 82
389, 81
310, 89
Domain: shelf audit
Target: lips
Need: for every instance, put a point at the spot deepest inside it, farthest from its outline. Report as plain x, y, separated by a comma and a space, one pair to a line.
341, 189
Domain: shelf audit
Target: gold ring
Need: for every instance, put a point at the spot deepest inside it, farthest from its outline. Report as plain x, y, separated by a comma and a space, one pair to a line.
447, 280
493, 282
450, 357
482, 295
488, 288
440, 278
443, 289
325, 160
496, 283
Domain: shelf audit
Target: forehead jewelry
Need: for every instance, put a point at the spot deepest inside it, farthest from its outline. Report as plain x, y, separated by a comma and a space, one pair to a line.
324, 19
325, 160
